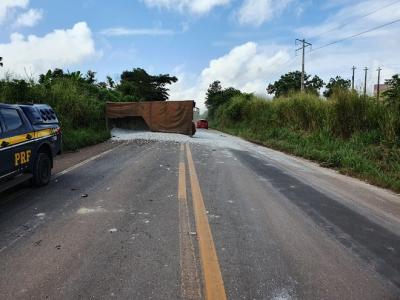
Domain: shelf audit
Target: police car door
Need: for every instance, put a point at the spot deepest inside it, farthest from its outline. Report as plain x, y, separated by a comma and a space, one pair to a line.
15, 142
3, 158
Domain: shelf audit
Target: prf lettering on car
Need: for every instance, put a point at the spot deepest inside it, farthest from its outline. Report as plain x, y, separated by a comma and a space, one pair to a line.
22, 158
30, 138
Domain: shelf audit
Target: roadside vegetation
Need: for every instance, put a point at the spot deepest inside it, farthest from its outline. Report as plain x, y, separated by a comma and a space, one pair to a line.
357, 135
79, 99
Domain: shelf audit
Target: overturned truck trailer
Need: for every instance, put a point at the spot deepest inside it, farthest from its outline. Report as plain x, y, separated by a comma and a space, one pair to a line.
160, 116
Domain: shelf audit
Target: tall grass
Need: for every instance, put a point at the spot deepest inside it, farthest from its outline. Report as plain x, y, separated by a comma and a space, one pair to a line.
356, 135
78, 107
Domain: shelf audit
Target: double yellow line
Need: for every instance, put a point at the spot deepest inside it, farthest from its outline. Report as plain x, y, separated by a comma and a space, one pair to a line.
213, 285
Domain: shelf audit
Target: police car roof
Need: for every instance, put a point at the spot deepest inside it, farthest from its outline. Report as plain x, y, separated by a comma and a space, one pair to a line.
3, 105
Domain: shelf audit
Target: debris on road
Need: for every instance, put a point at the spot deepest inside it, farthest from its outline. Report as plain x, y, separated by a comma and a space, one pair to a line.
41, 215
119, 134
86, 211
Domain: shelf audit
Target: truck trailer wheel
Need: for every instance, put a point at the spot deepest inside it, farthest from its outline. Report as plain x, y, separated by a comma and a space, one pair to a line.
42, 170
193, 129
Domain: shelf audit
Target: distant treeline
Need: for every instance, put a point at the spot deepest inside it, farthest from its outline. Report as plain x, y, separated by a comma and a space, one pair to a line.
79, 99
355, 134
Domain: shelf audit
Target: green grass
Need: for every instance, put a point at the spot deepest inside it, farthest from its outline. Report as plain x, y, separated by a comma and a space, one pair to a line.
74, 139
79, 107
352, 135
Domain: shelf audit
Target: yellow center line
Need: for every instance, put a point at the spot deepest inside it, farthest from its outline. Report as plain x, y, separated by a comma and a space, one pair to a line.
190, 279
213, 282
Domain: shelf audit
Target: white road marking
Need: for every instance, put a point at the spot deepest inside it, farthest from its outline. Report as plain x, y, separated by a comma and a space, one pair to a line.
33, 227
42, 215
85, 162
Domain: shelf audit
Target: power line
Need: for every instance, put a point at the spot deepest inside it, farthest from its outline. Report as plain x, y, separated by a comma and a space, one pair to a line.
284, 64
351, 21
356, 35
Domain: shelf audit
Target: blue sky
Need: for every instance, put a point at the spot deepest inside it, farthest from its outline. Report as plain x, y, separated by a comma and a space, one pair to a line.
243, 43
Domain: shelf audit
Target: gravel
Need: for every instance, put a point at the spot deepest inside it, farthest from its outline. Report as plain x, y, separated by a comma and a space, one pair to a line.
119, 134
209, 137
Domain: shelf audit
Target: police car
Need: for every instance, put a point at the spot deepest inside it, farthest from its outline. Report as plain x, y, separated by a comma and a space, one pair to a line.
30, 137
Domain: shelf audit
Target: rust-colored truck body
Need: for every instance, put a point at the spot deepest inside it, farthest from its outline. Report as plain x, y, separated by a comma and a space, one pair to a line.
159, 116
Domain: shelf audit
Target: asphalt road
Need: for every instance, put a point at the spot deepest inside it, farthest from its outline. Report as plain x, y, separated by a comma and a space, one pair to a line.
210, 217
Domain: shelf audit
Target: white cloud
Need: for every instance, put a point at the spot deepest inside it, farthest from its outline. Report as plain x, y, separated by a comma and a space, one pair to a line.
374, 49
198, 7
60, 48
352, 19
123, 31
247, 67
257, 12
29, 18
251, 66
7, 5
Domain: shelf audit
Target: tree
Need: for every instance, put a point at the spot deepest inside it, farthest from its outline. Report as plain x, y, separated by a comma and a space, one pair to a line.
392, 94
336, 84
110, 82
216, 96
47, 79
90, 77
58, 74
291, 82
214, 88
77, 76
141, 86
102, 85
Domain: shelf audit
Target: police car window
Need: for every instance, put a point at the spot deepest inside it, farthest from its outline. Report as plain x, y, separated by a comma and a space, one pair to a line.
12, 119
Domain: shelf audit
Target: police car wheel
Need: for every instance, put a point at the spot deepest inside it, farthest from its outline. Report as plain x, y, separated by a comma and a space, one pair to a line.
42, 170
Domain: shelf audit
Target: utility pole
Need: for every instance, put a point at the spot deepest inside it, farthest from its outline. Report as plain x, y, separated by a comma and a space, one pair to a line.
378, 91
352, 78
303, 48
365, 82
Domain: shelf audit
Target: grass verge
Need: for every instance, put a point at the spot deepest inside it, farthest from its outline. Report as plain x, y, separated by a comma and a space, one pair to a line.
73, 139
376, 164
355, 135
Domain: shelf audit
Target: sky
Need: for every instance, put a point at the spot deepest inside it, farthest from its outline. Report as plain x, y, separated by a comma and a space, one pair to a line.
245, 44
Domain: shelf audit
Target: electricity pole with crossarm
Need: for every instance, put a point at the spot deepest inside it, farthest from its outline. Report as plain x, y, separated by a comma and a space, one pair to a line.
303, 48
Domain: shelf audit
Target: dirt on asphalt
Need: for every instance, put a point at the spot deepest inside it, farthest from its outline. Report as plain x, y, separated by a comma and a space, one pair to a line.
69, 159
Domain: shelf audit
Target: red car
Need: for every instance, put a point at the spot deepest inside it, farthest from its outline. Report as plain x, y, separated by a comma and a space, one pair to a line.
202, 124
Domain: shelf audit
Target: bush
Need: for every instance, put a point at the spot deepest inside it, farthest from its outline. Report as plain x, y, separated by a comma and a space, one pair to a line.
74, 139
77, 105
356, 135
